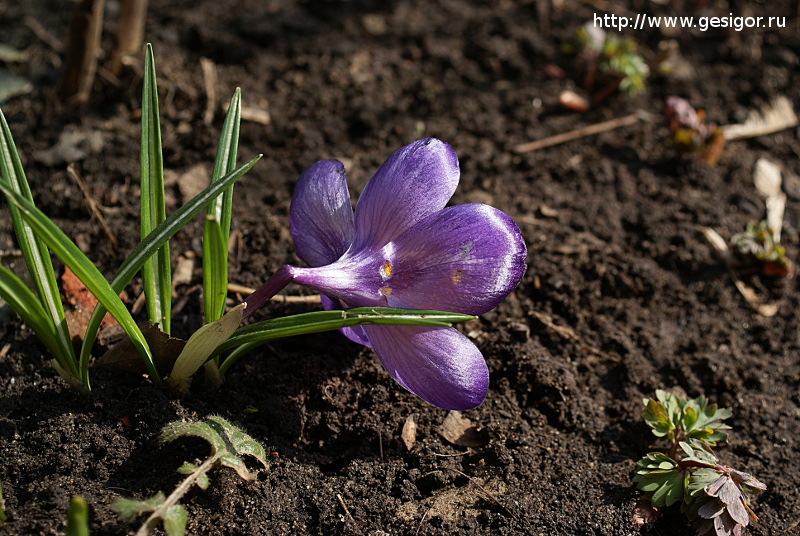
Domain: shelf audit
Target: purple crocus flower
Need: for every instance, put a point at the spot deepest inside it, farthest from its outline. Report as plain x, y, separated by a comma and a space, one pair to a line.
403, 248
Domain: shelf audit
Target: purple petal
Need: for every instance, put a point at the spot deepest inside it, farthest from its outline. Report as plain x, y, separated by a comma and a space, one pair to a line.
416, 181
439, 365
464, 259
321, 217
354, 333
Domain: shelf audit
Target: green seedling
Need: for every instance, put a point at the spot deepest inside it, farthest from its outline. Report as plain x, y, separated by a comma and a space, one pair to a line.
715, 497
78, 517
757, 247
611, 61
228, 445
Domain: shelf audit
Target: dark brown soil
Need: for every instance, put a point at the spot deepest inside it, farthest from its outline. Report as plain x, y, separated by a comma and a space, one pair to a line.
622, 295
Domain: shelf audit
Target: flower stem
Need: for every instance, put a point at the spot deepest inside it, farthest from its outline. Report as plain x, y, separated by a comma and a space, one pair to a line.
274, 284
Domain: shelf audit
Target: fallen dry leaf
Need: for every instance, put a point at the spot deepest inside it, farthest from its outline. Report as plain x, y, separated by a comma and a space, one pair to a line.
460, 431
409, 433
83, 303
124, 355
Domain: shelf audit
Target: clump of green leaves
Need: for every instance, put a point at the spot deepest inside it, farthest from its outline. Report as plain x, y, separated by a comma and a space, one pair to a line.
228, 445
757, 246
715, 497
611, 57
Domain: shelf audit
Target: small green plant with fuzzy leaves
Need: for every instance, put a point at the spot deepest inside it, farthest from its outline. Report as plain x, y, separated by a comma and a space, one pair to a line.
228, 445
715, 497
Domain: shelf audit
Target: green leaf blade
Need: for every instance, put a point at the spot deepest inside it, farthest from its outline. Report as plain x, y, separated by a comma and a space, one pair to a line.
130, 509
35, 253
215, 269
145, 249
225, 162
156, 272
319, 321
25, 303
200, 346
86, 272
175, 520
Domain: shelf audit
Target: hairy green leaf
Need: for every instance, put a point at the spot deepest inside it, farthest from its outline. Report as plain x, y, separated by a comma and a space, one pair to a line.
175, 520
130, 509
227, 441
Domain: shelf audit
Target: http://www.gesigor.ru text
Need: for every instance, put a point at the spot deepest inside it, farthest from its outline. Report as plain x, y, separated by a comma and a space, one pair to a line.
643, 21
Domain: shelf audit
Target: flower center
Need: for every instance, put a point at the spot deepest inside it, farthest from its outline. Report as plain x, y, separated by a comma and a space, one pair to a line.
386, 269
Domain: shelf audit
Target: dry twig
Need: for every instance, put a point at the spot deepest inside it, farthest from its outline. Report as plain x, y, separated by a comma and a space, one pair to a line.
91, 203
578, 133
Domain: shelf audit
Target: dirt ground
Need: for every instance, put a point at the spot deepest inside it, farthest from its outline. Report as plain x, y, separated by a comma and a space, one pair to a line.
622, 294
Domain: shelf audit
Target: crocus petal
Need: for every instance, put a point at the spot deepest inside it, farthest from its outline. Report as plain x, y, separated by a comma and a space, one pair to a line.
464, 259
439, 365
416, 181
321, 217
354, 333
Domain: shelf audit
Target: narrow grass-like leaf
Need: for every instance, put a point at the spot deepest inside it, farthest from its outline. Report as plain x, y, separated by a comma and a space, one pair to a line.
87, 273
200, 345
25, 303
35, 253
215, 253
225, 161
156, 272
145, 249
215, 269
319, 321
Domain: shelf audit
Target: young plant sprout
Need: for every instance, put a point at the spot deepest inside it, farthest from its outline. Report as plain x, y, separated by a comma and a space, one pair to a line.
716, 497
228, 445
611, 61
757, 246
690, 131
403, 248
